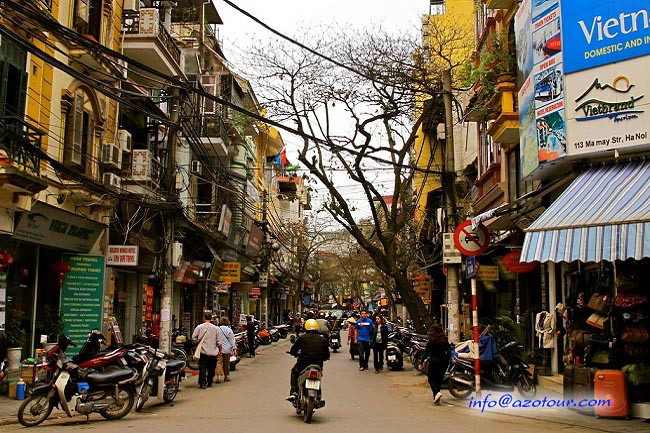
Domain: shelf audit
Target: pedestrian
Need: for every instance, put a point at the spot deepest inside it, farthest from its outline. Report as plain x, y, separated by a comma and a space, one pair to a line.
379, 342
297, 324
250, 334
228, 346
210, 349
438, 352
352, 338
364, 333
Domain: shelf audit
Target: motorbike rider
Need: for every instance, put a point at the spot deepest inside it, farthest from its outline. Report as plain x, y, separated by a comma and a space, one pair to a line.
310, 348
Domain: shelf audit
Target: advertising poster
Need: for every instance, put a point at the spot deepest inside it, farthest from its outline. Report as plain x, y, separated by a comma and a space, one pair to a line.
524, 39
604, 31
607, 106
529, 157
81, 297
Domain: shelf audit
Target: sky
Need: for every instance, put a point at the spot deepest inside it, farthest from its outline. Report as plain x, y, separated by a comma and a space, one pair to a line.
288, 17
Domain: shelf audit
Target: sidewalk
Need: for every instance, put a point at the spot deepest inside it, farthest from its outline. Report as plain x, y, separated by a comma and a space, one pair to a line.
419, 390
9, 406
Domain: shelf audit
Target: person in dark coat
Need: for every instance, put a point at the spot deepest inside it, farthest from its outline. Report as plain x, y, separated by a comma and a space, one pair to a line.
378, 341
250, 334
438, 352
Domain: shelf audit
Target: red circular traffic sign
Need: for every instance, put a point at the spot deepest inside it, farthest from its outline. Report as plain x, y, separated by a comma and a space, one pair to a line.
471, 242
512, 263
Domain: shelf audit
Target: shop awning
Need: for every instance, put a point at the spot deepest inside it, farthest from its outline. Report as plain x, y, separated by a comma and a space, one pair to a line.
603, 215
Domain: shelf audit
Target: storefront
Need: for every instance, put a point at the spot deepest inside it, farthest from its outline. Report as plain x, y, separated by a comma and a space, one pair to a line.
594, 240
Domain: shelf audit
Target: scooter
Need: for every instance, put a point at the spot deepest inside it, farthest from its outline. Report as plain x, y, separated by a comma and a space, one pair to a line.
309, 392
503, 372
159, 364
394, 357
335, 341
78, 391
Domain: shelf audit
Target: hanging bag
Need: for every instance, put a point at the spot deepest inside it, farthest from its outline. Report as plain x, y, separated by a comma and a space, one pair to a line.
197, 351
597, 321
599, 303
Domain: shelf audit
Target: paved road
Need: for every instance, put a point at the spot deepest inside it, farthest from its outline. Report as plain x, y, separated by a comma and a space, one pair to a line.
362, 402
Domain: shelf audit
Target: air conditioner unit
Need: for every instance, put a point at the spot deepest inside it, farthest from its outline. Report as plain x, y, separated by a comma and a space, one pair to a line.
196, 168
112, 155
112, 180
131, 5
124, 138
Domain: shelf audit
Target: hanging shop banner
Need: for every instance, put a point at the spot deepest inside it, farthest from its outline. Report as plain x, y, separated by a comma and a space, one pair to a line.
255, 293
255, 239
81, 297
51, 226
224, 220
187, 273
230, 272
540, 58
122, 255
147, 303
511, 261
606, 31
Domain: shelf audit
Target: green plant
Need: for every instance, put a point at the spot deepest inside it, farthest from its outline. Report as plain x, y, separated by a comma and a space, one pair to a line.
53, 323
495, 58
16, 333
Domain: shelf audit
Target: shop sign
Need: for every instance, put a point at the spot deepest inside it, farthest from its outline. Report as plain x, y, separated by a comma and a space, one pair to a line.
606, 108
221, 288
230, 272
255, 239
148, 303
47, 225
187, 273
255, 293
512, 263
225, 220
81, 296
122, 255
607, 31
488, 273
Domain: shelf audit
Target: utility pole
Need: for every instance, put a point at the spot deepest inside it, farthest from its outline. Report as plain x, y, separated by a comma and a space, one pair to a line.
266, 252
168, 274
449, 187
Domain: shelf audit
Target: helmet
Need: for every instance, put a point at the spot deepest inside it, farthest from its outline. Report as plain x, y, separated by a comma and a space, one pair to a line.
311, 325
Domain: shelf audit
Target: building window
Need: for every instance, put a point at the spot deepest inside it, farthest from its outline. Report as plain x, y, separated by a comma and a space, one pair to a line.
489, 152
13, 79
437, 7
88, 18
80, 134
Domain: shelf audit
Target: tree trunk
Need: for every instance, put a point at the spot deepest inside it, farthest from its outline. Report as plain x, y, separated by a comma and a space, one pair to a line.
414, 304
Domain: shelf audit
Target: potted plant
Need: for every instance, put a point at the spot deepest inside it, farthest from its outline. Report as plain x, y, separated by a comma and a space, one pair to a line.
16, 337
53, 324
495, 62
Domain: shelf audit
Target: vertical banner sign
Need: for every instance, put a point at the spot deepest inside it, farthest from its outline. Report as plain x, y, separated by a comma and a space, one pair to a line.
539, 56
81, 297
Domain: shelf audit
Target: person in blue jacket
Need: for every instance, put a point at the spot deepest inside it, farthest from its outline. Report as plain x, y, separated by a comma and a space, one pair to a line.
364, 334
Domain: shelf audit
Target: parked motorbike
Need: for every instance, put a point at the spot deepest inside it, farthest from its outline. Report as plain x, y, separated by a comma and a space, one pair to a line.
503, 372
263, 336
273, 334
335, 341
159, 364
183, 348
283, 330
93, 354
76, 390
394, 357
309, 392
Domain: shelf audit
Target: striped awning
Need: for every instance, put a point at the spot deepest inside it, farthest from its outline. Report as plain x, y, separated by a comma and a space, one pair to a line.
603, 215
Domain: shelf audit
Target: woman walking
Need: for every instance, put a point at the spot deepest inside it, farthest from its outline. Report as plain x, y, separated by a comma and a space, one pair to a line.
250, 334
352, 338
438, 352
228, 346
378, 342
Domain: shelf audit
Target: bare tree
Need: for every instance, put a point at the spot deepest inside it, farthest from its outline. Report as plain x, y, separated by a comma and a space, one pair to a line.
357, 114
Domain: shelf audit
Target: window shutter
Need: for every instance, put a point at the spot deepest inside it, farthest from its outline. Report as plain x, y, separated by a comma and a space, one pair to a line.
4, 82
82, 11
89, 151
77, 132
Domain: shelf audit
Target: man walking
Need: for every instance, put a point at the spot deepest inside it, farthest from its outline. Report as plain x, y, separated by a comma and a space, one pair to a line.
364, 333
210, 349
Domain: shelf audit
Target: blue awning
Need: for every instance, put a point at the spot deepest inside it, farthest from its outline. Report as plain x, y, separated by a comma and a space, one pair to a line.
603, 215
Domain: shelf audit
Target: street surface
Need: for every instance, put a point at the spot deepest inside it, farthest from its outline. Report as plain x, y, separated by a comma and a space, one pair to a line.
363, 402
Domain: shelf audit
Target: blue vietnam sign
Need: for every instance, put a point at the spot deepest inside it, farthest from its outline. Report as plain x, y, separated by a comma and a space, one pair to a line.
603, 32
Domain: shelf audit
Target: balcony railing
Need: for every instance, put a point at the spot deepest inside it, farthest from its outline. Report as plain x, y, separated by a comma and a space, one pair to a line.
146, 23
20, 141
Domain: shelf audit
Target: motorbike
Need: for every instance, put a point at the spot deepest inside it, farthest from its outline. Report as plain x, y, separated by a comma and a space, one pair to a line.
503, 372
283, 330
183, 348
160, 364
77, 390
394, 357
263, 336
335, 341
309, 392
92, 355
273, 334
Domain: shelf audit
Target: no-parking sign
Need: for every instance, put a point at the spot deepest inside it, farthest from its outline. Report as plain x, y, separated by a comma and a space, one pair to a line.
471, 242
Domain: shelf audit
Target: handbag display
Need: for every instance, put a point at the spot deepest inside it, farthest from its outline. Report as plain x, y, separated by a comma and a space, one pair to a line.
597, 321
581, 337
630, 300
634, 334
197, 352
601, 358
599, 303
